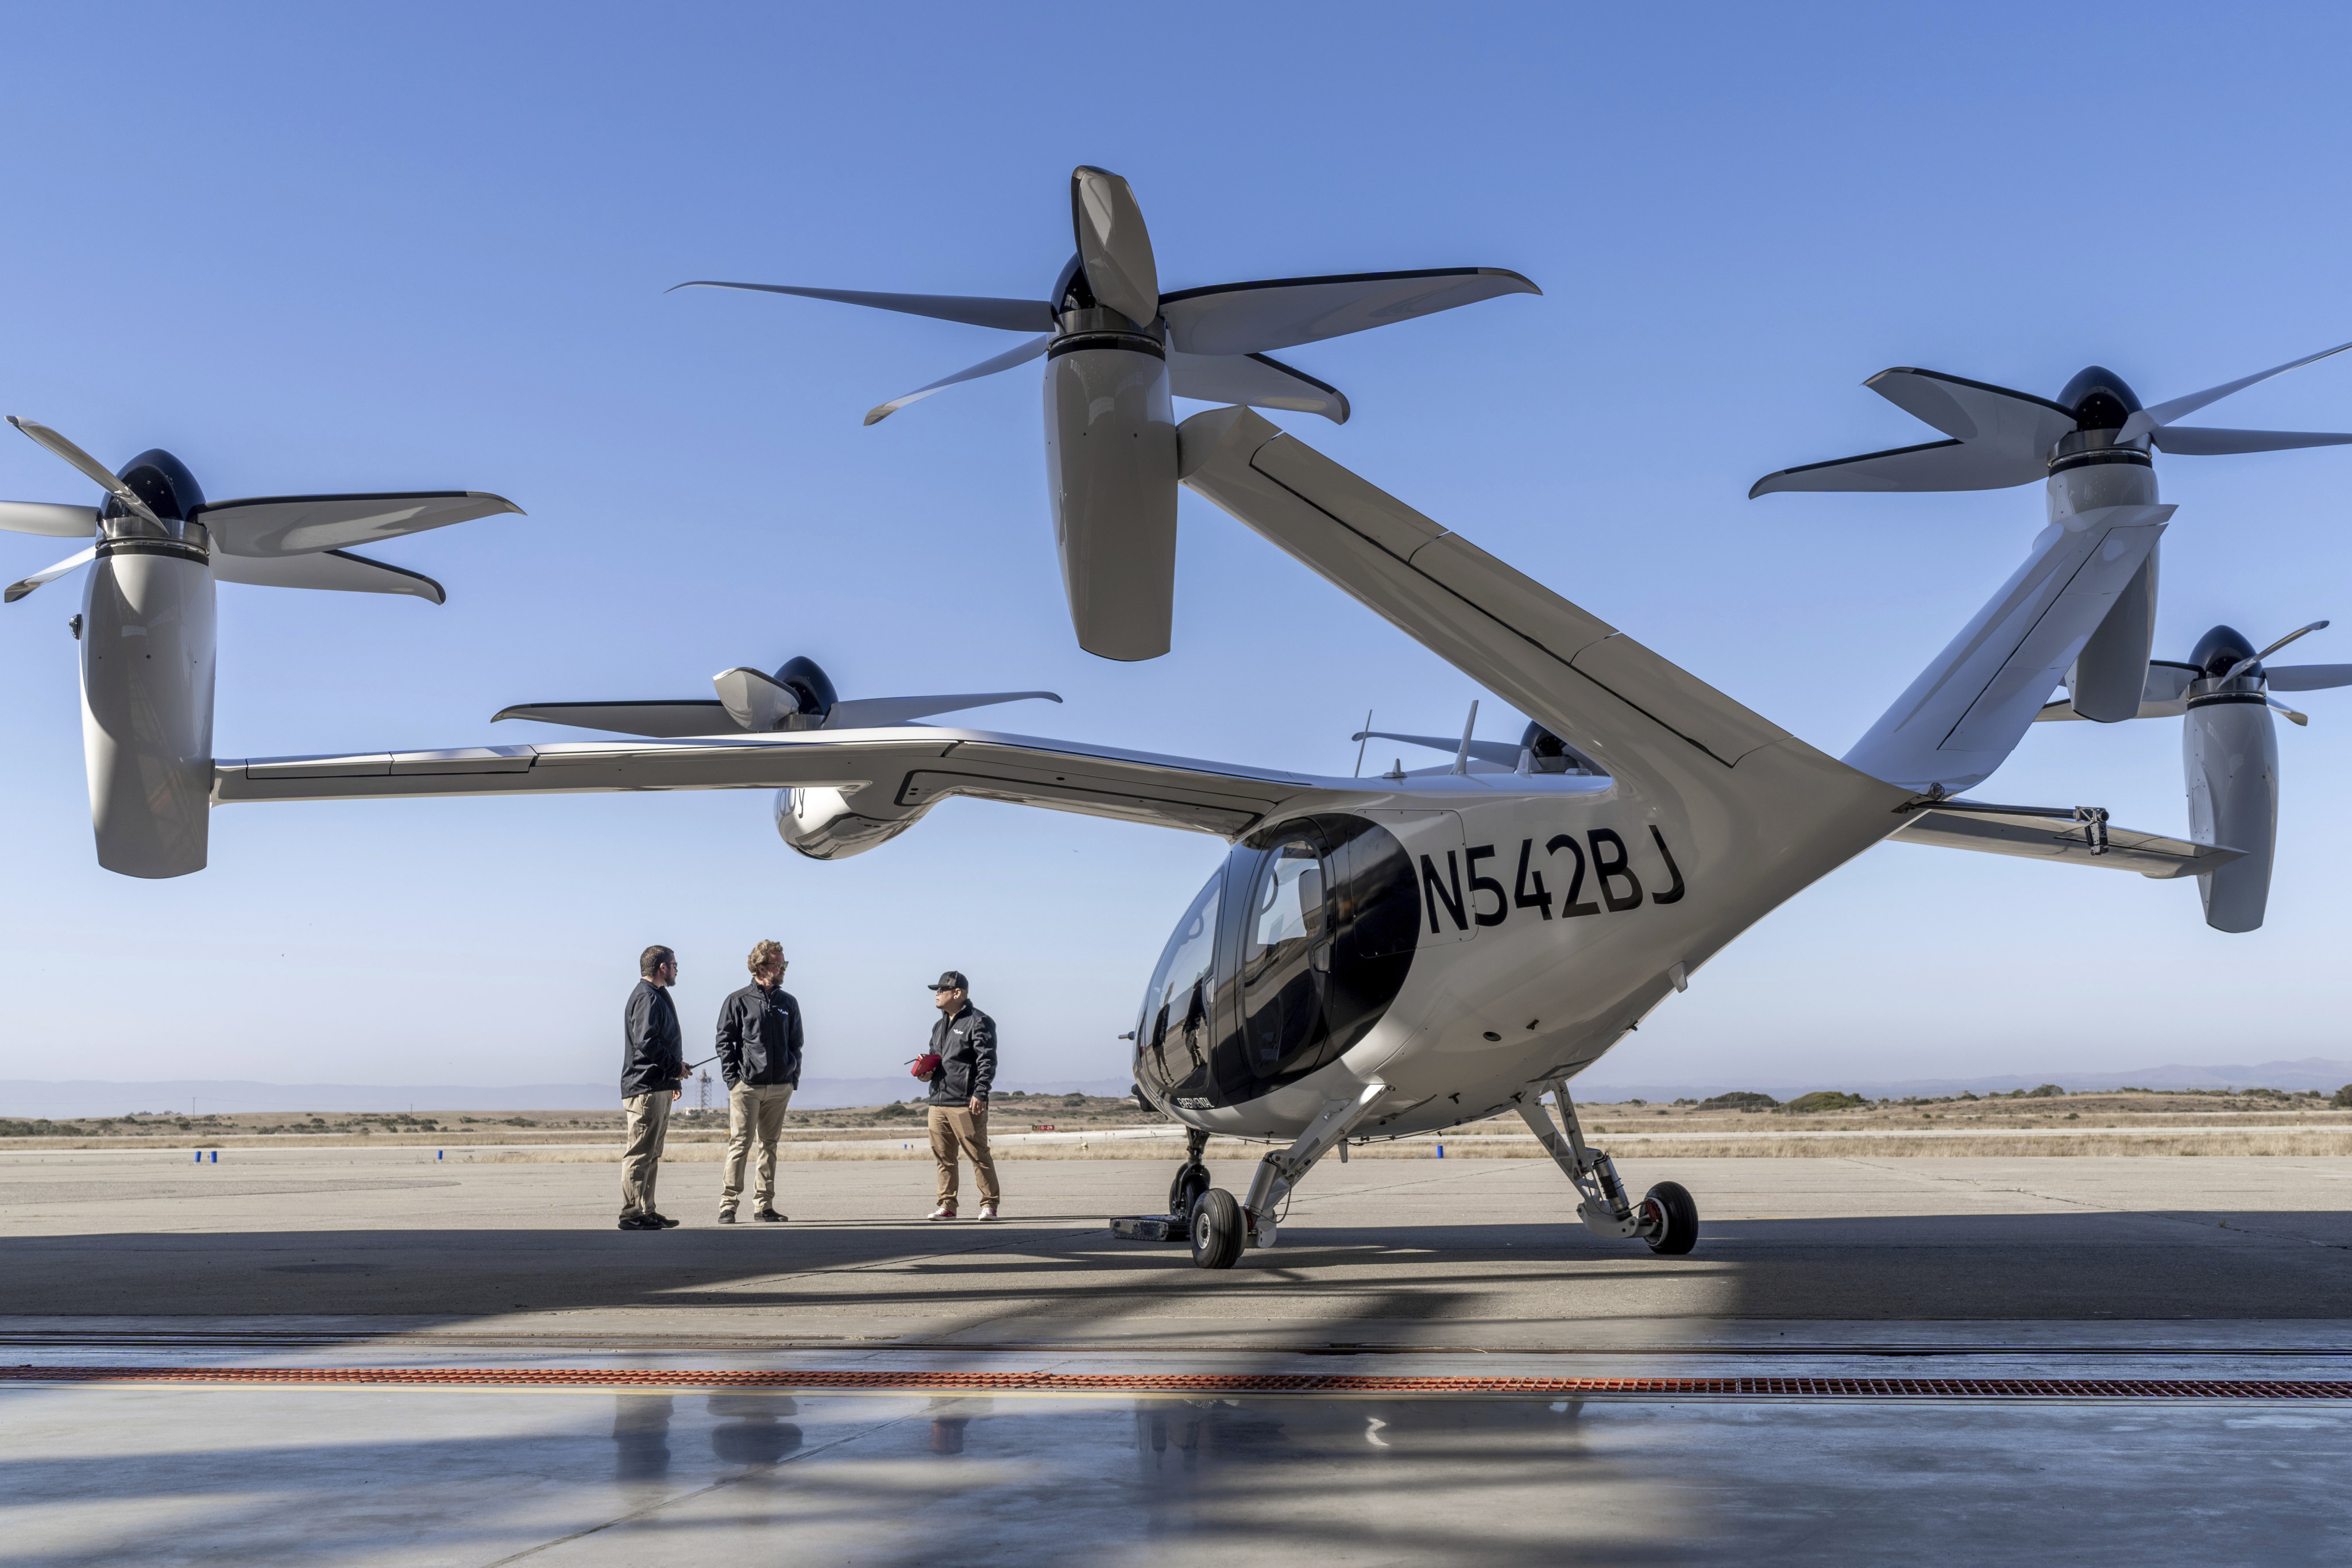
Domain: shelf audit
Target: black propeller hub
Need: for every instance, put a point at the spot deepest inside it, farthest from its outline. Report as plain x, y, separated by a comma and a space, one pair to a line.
810, 685
1071, 289
163, 482
2099, 398
2222, 648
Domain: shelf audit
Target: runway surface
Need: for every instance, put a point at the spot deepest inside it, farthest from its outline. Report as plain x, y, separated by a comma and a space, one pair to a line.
2098, 1359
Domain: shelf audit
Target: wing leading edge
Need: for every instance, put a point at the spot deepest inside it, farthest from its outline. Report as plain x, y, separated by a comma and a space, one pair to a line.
909, 768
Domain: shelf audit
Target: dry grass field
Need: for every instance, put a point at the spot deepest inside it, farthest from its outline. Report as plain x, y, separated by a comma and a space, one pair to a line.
2043, 1123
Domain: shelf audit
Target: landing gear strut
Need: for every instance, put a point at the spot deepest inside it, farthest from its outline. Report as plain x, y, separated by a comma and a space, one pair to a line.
1666, 1219
1184, 1195
1208, 1217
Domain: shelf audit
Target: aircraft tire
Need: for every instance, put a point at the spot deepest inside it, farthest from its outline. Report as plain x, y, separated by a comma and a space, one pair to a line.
1216, 1229
1186, 1189
1677, 1219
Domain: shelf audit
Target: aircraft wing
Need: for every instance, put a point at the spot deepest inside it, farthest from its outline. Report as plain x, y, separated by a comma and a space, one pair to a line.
2048, 838
910, 766
1636, 715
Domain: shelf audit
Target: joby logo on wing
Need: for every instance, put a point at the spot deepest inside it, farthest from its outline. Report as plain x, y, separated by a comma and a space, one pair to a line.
1616, 888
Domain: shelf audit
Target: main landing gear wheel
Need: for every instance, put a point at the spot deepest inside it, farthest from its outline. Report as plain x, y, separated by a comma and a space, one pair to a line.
1669, 1220
1217, 1229
1186, 1189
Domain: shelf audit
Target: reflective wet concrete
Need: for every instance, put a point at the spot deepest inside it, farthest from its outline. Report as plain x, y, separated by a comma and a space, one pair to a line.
2113, 1268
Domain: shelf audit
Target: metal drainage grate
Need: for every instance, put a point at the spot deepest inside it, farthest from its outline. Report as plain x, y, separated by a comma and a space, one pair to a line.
1217, 1383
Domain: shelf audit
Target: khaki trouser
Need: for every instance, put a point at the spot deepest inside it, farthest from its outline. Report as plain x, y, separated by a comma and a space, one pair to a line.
641, 1156
953, 1129
753, 1110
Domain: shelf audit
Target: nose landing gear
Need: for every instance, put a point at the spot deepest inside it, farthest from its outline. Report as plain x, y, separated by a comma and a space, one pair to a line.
1666, 1219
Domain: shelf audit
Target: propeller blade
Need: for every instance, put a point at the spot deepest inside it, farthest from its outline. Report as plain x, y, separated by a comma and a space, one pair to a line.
2298, 720
2311, 677
1253, 380
90, 467
871, 712
1936, 466
2197, 441
1282, 312
1113, 245
1976, 411
40, 517
660, 721
297, 525
2163, 414
1006, 315
329, 569
17, 591
2244, 664
1005, 360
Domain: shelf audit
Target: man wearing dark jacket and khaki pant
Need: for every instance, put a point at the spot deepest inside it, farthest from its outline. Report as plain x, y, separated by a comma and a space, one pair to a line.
964, 1039
653, 1065
760, 1054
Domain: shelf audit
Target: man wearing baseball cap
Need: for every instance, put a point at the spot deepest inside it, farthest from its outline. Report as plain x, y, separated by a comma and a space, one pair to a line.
964, 1041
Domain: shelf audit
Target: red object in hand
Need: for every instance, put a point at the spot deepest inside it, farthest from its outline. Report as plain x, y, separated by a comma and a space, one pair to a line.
926, 1065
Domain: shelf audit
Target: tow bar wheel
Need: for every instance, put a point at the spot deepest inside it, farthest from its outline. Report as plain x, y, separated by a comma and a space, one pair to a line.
1669, 1220
1216, 1229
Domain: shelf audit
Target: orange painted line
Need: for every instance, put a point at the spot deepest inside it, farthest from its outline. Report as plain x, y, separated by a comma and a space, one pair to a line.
1803, 1388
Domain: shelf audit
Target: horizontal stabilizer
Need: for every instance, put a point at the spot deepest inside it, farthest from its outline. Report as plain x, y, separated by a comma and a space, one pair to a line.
661, 721
45, 517
335, 570
1255, 382
2053, 839
295, 525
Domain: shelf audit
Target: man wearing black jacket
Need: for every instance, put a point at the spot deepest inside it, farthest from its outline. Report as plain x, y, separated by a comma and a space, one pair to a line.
964, 1040
760, 1053
653, 1065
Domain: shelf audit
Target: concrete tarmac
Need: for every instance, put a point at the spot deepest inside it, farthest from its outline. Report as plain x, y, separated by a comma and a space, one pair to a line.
2065, 1268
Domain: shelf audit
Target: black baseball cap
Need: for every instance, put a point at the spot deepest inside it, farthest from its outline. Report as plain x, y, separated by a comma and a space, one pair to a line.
953, 980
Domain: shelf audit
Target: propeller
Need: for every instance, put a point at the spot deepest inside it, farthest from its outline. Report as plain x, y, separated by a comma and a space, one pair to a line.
1217, 337
1117, 351
1997, 437
798, 696
2229, 755
291, 541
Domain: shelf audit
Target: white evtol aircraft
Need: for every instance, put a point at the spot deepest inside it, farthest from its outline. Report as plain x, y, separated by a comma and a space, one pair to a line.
1384, 956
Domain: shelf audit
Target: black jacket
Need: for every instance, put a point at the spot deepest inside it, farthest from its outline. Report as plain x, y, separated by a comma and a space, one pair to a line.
967, 1048
760, 1037
652, 1053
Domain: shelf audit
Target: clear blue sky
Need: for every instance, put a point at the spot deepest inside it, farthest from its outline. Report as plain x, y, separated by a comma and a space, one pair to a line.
317, 248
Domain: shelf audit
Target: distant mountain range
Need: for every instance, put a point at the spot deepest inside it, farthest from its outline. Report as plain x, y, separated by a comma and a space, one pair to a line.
2311, 1072
59, 1101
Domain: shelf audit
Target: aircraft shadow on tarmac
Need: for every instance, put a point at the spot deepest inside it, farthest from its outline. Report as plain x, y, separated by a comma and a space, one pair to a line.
2091, 1265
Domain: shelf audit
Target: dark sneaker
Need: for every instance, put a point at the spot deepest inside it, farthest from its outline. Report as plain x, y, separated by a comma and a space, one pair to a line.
771, 1216
662, 1222
726, 1216
639, 1222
